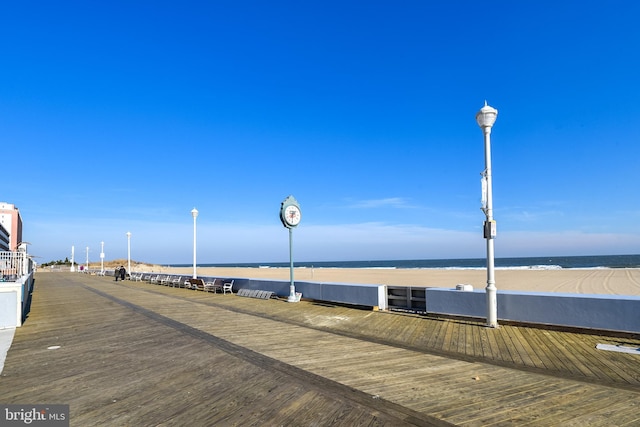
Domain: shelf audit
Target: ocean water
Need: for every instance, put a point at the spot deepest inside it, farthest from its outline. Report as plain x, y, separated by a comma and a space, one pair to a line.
532, 263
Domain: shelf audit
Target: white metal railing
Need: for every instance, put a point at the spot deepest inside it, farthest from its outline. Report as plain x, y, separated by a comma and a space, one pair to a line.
14, 265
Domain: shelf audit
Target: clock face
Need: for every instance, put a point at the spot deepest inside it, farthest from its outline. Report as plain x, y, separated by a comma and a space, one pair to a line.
292, 215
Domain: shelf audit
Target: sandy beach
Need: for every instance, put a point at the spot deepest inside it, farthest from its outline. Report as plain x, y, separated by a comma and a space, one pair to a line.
583, 281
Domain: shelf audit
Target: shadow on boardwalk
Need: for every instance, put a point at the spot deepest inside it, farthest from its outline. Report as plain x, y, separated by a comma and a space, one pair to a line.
139, 354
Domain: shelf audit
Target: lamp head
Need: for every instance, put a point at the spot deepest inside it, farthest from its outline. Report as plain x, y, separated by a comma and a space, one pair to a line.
486, 117
194, 212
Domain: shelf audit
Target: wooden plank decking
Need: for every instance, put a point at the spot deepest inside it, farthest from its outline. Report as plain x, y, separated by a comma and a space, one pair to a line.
133, 353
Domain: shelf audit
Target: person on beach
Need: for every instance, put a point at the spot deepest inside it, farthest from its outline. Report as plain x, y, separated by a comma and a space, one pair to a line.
123, 272
116, 273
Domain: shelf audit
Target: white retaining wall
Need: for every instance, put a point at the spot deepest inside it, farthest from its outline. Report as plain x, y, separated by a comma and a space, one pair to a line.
605, 312
14, 298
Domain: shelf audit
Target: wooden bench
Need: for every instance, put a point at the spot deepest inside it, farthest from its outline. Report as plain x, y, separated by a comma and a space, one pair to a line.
197, 284
214, 286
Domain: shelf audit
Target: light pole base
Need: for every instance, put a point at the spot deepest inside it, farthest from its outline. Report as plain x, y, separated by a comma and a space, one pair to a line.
294, 298
492, 306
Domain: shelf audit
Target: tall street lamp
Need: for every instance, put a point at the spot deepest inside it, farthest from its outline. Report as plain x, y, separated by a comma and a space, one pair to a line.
129, 252
87, 267
102, 258
194, 213
486, 117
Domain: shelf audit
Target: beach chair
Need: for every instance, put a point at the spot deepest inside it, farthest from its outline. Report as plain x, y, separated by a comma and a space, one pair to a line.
227, 287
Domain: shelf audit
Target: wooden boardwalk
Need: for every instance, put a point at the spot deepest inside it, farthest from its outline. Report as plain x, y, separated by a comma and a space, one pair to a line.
136, 354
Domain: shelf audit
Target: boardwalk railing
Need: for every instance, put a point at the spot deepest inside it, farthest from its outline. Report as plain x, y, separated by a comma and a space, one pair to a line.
14, 265
16, 285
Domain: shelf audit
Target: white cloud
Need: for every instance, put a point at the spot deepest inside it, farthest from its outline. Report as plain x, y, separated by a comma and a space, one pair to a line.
393, 202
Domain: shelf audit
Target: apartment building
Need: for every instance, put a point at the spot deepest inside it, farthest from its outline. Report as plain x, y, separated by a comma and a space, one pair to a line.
4, 239
11, 220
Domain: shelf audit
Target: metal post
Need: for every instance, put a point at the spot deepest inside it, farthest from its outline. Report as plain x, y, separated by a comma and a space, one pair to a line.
292, 286
194, 213
129, 252
102, 258
492, 302
486, 118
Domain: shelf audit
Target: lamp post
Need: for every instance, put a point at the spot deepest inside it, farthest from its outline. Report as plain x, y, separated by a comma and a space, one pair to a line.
102, 258
129, 252
87, 267
486, 117
194, 213
72, 255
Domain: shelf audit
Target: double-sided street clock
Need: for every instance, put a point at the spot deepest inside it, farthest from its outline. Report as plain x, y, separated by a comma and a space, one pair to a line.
290, 214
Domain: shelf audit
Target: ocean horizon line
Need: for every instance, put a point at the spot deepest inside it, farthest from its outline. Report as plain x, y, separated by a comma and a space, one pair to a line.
524, 263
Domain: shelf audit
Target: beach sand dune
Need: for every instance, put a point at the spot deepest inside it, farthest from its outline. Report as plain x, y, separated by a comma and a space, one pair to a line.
618, 281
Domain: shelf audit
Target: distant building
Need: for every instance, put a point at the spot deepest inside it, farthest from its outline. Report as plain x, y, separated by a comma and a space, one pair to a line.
11, 220
4, 239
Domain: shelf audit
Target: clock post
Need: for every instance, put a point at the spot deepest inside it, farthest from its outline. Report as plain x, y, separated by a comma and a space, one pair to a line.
290, 216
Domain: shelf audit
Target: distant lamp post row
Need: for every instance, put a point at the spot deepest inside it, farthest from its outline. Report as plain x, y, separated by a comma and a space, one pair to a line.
194, 213
486, 117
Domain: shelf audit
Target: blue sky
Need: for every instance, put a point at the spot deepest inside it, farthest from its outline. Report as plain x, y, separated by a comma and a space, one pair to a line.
123, 116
